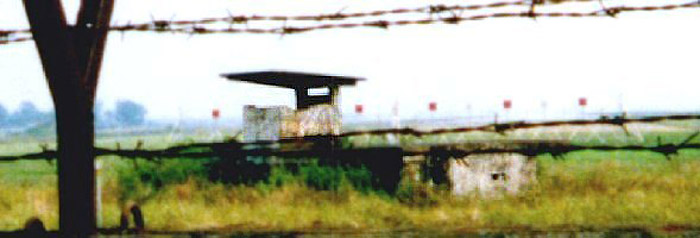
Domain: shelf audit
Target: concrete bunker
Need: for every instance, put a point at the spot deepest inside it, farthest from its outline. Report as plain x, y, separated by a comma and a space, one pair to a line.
477, 167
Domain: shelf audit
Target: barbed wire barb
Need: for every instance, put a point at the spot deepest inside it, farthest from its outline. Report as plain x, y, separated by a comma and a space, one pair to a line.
531, 12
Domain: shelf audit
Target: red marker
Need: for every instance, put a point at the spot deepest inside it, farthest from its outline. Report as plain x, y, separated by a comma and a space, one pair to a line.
215, 113
432, 106
358, 109
507, 104
582, 102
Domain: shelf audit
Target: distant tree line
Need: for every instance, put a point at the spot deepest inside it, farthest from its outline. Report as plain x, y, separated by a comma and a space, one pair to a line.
125, 113
26, 115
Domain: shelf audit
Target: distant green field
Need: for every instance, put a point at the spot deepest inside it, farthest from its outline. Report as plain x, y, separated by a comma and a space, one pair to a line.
636, 134
585, 190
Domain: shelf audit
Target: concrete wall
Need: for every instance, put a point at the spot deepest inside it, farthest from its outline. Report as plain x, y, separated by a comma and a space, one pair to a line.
486, 174
273, 123
490, 174
264, 123
319, 120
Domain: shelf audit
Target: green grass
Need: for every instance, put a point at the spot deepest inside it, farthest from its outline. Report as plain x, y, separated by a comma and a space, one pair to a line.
632, 190
585, 190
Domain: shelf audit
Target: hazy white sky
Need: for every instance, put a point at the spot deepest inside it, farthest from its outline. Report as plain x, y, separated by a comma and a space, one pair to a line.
649, 61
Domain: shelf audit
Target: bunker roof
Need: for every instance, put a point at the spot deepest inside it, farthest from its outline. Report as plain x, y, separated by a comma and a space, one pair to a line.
294, 80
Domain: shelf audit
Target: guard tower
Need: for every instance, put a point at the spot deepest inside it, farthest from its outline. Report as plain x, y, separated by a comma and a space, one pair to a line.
301, 83
316, 111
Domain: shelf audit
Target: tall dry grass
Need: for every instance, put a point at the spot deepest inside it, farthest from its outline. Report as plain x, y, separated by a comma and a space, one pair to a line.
588, 190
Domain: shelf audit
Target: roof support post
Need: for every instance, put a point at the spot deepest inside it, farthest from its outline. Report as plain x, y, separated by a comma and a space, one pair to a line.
334, 93
302, 95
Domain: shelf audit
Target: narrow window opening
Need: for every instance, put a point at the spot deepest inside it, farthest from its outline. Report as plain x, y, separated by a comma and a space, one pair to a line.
318, 91
499, 176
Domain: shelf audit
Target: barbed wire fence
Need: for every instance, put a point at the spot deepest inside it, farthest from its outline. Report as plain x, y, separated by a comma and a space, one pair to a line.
436, 14
534, 138
555, 138
310, 146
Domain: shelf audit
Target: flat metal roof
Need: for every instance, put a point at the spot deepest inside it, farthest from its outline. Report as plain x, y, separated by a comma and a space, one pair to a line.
293, 80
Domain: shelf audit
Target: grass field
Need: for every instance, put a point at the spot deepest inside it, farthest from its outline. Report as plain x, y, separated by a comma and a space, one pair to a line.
586, 190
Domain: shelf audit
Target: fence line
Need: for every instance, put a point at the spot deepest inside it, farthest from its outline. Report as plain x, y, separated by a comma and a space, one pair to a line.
502, 128
432, 9
306, 146
558, 150
197, 26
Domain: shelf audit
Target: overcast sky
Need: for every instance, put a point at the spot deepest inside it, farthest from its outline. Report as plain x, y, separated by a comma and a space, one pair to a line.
647, 61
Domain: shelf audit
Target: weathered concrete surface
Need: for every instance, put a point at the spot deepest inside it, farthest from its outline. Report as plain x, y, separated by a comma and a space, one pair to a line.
265, 123
490, 174
273, 123
486, 175
318, 120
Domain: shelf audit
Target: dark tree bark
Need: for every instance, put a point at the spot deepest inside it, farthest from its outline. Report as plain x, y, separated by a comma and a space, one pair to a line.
72, 57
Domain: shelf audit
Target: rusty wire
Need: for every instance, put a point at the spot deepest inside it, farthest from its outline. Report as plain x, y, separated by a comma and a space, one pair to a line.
502, 128
196, 28
200, 26
558, 150
432, 9
222, 149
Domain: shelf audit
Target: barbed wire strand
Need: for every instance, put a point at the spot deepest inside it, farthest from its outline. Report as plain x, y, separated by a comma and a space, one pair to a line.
502, 128
555, 149
217, 149
196, 26
432, 9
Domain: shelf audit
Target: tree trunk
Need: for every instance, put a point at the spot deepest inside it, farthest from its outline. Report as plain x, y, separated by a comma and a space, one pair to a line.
71, 57
76, 167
